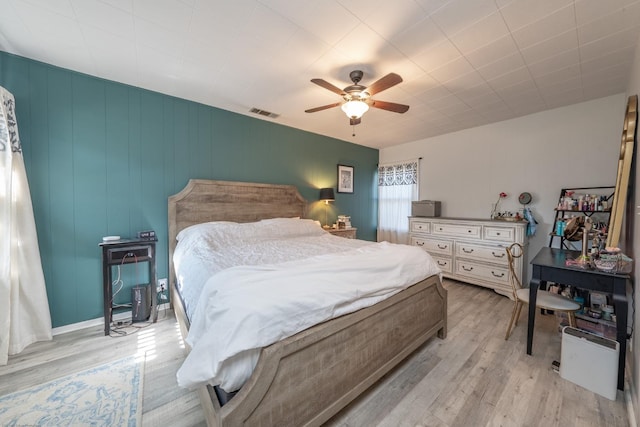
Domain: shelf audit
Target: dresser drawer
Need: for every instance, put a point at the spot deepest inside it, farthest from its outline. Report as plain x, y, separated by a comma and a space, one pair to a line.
445, 264
489, 273
502, 234
420, 227
456, 230
442, 247
494, 254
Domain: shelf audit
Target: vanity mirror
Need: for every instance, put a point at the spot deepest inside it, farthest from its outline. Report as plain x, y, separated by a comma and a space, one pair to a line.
624, 169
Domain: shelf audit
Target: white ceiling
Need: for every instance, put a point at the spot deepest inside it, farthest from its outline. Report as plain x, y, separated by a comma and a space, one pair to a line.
464, 62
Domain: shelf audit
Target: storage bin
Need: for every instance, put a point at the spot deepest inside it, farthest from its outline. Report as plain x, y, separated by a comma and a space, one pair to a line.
600, 328
428, 208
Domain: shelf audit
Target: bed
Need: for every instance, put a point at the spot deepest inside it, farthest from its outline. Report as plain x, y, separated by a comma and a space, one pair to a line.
308, 377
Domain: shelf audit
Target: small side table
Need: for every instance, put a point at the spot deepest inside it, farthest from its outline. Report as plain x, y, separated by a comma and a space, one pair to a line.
347, 233
127, 251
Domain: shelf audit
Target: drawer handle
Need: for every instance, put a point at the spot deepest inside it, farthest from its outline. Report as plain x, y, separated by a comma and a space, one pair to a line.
468, 231
442, 247
467, 269
498, 256
420, 227
497, 275
440, 229
467, 251
497, 234
419, 243
442, 263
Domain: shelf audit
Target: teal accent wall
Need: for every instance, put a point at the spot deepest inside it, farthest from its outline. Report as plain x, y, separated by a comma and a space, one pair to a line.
103, 157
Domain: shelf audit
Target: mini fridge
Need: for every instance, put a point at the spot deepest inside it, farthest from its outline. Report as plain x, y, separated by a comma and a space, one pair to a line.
590, 361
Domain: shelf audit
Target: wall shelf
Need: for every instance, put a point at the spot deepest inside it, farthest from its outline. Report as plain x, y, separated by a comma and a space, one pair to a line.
574, 195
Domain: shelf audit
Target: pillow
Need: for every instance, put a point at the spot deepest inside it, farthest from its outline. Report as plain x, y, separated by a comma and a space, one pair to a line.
289, 227
199, 229
225, 232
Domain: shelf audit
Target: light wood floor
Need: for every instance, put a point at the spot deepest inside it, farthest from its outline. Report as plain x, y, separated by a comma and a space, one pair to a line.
472, 378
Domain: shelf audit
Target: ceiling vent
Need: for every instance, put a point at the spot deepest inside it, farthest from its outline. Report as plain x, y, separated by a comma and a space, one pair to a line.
264, 113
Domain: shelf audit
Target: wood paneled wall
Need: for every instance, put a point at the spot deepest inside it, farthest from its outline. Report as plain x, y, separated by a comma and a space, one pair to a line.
103, 157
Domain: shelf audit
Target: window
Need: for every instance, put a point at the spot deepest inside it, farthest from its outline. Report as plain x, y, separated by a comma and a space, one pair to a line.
397, 188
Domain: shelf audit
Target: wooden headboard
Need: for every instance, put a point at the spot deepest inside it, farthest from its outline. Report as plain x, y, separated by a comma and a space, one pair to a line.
205, 200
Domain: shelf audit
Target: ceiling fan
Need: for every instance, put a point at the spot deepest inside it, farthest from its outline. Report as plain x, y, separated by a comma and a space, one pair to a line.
357, 98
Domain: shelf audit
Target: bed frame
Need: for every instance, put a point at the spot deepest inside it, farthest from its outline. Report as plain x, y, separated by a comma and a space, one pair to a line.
308, 377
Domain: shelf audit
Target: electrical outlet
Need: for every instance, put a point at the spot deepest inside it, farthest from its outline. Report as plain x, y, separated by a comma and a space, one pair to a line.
162, 285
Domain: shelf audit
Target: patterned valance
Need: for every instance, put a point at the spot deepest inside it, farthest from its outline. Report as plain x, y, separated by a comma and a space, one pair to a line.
401, 174
8, 126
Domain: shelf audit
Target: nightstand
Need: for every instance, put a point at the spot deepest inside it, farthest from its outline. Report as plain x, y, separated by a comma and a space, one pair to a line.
127, 251
347, 233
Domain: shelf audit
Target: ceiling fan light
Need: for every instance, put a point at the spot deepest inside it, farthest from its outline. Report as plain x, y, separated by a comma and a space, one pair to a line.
355, 109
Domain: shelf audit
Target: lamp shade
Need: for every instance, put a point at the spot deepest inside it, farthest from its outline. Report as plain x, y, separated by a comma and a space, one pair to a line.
354, 109
326, 194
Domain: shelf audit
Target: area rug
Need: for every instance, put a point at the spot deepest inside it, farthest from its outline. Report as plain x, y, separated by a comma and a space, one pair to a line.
107, 395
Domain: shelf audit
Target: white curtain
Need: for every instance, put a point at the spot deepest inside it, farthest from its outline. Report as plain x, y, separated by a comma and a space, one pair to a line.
24, 308
397, 188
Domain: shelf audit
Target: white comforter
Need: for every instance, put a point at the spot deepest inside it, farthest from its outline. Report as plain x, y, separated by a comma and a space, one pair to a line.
206, 249
244, 308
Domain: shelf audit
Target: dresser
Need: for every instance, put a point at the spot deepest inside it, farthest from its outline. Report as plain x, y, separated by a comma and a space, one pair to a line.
471, 250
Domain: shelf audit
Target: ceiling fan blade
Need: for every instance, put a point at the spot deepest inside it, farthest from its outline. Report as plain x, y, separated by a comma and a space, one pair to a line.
324, 107
390, 106
384, 83
354, 122
325, 84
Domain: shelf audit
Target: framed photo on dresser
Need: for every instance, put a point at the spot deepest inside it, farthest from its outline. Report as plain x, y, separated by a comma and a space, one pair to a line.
345, 179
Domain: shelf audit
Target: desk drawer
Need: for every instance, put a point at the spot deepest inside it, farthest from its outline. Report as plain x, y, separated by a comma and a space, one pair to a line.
128, 254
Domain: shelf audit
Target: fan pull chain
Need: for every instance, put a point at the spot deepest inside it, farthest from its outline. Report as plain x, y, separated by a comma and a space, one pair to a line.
354, 130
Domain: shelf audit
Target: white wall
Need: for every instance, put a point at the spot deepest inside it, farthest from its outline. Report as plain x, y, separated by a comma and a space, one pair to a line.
540, 153
634, 358
575, 146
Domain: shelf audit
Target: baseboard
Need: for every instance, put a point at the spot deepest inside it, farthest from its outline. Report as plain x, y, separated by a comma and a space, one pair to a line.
630, 398
123, 315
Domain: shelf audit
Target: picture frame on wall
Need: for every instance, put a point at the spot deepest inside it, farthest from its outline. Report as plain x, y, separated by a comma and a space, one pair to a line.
345, 179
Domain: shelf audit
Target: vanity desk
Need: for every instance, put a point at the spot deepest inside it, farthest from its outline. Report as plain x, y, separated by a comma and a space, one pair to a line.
549, 265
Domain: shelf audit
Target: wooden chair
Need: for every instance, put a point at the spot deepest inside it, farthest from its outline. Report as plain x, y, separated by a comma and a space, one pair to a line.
544, 299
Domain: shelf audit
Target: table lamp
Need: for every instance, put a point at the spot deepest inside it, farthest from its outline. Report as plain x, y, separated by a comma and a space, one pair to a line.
326, 194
